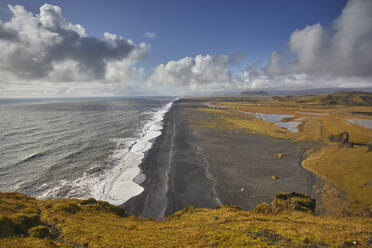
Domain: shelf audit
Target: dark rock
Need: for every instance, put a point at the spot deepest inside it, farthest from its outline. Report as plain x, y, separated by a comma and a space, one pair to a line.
369, 241
369, 146
88, 201
342, 138
361, 211
288, 202
366, 212
348, 244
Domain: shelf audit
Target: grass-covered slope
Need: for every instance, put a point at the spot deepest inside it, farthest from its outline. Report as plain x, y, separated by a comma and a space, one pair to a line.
287, 222
348, 98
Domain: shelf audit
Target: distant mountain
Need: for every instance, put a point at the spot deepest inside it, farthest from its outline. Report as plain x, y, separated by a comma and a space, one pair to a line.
303, 92
254, 93
347, 98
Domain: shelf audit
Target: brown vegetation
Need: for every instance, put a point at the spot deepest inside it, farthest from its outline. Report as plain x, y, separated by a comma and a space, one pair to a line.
75, 223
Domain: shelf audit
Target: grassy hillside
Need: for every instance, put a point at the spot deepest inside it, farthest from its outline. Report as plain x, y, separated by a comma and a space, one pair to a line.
341, 98
286, 222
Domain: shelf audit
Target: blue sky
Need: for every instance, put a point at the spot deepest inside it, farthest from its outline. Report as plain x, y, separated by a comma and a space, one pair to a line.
189, 28
94, 48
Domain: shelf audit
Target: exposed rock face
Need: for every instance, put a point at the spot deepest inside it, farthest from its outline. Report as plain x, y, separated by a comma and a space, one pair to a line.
342, 138
288, 202
369, 146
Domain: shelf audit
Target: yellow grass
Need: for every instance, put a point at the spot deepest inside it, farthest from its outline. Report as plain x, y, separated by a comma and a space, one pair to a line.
349, 169
228, 120
94, 226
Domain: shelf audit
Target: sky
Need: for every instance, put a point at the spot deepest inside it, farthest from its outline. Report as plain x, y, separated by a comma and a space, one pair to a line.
114, 48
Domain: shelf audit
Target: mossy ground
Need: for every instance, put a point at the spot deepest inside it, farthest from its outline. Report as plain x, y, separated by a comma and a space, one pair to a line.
97, 225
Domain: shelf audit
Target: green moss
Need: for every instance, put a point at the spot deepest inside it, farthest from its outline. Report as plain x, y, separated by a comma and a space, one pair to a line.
7, 227
23, 222
67, 207
39, 232
97, 225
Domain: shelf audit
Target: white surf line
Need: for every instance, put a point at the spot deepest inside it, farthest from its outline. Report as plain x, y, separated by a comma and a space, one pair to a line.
163, 195
128, 168
167, 172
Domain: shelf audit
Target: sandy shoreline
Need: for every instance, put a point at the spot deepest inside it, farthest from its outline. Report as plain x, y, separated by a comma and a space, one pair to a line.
190, 165
175, 173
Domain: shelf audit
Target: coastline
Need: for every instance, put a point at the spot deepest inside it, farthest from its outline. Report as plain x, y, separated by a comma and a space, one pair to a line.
193, 166
174, 175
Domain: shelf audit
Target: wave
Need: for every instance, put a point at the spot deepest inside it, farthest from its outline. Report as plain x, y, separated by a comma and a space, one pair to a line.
116, 179
32, 157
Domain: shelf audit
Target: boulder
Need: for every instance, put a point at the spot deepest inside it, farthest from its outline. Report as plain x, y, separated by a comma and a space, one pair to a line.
284, 202
342, 138
369, 146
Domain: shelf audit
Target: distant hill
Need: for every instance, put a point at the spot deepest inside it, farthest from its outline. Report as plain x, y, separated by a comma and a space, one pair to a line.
349, 98
254, 93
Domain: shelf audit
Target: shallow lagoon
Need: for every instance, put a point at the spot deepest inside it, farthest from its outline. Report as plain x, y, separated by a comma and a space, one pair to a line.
361, 122
277, 119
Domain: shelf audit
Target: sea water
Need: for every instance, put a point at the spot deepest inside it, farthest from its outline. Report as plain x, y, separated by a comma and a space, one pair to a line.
78, 147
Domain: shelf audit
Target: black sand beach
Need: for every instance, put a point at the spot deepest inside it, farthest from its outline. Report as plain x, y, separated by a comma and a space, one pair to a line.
194, 166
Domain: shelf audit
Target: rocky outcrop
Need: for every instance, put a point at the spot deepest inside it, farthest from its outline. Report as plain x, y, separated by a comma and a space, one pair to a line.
369, 146
342, 138
284, 202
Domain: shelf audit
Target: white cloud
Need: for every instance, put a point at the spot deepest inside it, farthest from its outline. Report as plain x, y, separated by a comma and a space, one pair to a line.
195, 73
341, 51
151, 35
318, 57
47, 48
46, 54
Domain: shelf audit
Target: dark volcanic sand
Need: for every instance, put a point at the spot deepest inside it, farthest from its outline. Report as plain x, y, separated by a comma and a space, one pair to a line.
191, 165
175, 173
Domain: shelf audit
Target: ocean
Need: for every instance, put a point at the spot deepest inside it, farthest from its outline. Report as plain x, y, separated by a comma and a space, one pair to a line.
80, 148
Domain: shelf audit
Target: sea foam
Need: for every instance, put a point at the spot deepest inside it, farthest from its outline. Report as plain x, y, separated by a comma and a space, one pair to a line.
116, 179
119, 183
